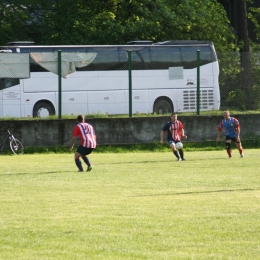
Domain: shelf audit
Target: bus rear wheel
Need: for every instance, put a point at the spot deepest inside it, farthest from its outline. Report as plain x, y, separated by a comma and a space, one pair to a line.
162, 106
43, 109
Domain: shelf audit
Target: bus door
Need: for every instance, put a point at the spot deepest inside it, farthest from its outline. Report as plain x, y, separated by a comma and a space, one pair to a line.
10, 97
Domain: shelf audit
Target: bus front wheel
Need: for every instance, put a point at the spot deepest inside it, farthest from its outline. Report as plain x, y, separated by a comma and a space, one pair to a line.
163, 106
43, 109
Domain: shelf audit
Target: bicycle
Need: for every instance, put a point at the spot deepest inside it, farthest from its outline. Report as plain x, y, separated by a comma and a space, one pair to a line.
15, 144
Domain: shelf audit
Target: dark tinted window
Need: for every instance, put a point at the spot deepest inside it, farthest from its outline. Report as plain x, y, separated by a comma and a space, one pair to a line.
7, 83
143, 57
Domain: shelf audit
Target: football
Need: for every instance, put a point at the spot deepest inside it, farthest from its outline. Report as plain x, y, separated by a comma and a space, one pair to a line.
179, 145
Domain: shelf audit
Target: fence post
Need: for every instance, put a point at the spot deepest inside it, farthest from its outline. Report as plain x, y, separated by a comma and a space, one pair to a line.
130, 81
198, 82
59, 82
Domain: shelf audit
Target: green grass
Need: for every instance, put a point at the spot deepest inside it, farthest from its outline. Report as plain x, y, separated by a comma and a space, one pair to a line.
248, 142
97, 115
135, 205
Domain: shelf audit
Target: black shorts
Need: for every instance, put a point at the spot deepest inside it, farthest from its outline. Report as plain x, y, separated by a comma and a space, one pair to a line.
231, 138
84, 150
170, 140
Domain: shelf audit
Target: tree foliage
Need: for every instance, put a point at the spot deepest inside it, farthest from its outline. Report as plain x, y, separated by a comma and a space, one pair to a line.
254, 16
203, 20
114, 21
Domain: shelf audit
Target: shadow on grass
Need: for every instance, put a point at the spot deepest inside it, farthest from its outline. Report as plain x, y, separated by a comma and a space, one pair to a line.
174, 160
26, 173
190, 192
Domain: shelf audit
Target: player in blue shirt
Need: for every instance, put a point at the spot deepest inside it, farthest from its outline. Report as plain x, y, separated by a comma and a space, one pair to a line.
232, 131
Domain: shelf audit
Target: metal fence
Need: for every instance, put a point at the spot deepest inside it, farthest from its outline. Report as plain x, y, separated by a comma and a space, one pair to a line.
121, 84
239, 81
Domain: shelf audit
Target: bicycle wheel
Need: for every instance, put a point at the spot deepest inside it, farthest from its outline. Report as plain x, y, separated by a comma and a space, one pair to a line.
16, 146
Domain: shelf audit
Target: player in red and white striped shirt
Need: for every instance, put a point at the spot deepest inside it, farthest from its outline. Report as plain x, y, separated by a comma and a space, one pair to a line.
87, 142
174, 131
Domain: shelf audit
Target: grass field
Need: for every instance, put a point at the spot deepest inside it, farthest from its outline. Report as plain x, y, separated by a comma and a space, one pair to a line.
131, 206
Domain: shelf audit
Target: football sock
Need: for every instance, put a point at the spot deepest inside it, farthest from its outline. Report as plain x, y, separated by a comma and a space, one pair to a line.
176, 154
181, 153
86, 160
229, 153
78, 163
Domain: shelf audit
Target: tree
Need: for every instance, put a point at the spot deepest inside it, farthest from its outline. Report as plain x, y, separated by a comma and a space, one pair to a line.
109, 22
246, 72
23, 21
115, 21
202, 20
254, 16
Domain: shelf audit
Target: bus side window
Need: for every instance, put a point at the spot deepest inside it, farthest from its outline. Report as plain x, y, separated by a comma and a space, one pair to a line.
141, 59
189, 56
7, 83
163, 58
106, 59
206, 54
34, 67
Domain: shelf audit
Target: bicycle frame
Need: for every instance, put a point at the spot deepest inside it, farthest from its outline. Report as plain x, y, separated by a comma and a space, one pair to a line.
15, 144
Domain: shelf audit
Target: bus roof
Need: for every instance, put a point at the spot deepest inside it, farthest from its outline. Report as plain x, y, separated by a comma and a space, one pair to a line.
28, 46
182, 42
20, 43
136, 42
144, 42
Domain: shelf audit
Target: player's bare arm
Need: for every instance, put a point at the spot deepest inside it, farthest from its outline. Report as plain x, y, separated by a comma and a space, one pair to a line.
183, 135
73, 139
238, 134
218, 135
161, 137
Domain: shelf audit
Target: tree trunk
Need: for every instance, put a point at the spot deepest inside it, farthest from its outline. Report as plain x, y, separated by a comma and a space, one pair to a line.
246, 74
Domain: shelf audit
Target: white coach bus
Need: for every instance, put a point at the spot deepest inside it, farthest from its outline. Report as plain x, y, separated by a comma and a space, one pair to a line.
164, 79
